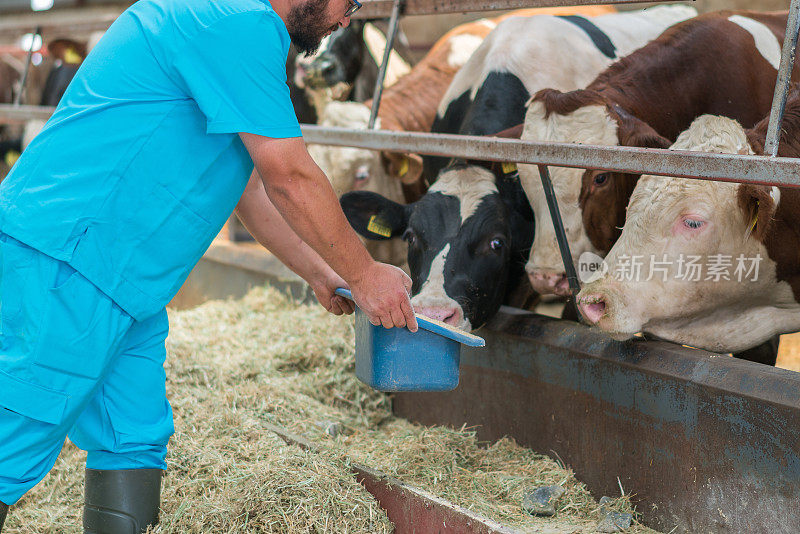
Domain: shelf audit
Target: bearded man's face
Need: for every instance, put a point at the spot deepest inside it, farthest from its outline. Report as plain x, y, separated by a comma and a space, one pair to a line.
308, 24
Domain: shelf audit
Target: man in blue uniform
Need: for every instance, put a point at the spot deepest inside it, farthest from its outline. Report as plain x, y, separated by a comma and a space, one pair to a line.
180, 114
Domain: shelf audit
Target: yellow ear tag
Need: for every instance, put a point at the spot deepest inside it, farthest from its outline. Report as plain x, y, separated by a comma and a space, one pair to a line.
11, 157
509, 168
377, 226
755, 220
71, 56
403, 167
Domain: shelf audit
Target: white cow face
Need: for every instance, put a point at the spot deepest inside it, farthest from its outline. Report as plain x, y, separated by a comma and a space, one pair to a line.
359, 169
351, 169
587, 125
685, 265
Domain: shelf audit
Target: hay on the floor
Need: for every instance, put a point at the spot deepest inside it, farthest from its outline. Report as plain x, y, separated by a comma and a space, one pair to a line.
235, 365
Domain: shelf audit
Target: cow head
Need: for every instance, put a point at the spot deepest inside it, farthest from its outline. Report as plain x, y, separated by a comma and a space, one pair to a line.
337, 61
587, 124
463, 236
67, 51
604, 195
583, 117
683, 268
355, 169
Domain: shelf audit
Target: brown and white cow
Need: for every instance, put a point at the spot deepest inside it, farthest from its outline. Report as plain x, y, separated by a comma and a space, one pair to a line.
470, 234
744, 238
722, 63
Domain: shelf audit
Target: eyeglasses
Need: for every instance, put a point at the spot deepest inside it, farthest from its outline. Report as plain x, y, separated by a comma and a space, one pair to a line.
355, 5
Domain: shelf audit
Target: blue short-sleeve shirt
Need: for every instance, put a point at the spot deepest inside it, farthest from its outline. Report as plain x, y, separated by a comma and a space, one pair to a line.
141, 164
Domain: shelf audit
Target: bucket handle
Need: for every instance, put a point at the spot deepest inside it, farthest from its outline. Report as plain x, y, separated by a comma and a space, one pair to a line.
437, 327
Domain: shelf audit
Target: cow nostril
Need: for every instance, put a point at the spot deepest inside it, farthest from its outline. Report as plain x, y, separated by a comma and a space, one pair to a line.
443, 314
592, 308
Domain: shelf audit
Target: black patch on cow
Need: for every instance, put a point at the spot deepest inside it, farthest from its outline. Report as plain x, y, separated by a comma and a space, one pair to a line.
499, 104
433, 222
374, 216
58, 79
598, 36
450, 123
303, 107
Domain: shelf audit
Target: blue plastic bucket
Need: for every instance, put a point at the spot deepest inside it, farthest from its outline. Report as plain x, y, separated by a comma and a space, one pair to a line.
396, 359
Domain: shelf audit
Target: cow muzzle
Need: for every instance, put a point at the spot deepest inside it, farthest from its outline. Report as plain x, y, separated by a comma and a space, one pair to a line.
322, 73
451, 315
549, 282
603, 308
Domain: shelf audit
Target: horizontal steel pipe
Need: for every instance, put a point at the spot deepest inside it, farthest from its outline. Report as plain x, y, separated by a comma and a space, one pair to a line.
722, 167
10, 114
88, 19
64, 21
383, 8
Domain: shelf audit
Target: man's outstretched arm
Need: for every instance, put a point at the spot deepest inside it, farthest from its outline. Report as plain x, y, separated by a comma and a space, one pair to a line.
303, 196
263, 221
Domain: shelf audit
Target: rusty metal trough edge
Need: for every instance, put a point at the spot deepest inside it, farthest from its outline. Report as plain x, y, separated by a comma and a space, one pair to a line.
411, 509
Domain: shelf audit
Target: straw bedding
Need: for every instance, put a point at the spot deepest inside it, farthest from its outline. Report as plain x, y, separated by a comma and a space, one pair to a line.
234, 366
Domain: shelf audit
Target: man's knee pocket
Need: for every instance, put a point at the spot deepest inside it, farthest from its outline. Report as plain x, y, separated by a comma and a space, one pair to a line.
32, 400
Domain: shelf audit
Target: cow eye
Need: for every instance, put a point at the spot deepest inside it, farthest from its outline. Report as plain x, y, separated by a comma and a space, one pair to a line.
362, 174
601, 178
496, 244
409, 236
694, 224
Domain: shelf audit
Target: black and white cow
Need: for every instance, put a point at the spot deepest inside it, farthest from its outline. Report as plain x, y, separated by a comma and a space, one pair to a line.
346, 65
468, 236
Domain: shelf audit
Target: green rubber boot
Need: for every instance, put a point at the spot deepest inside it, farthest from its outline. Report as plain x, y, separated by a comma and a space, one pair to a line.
121, 501
3, 512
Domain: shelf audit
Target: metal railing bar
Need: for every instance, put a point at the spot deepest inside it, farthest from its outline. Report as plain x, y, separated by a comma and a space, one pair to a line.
783, 80
29, 57
10, 113
761, 170
721, 167
88, 19
394, 23
561, 236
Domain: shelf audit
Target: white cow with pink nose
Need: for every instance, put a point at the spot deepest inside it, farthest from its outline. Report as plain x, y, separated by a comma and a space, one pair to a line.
709, 264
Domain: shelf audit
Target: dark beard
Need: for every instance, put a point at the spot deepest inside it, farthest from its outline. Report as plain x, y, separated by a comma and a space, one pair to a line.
305, 28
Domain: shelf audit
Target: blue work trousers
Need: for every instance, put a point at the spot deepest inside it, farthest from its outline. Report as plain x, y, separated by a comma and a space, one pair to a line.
73, 363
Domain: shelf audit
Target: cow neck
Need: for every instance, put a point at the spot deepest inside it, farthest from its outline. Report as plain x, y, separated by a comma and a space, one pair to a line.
783, 238
789, 146
410, 104
644, 83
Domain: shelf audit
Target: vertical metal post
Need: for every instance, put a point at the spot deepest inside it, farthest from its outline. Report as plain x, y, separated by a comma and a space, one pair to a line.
18, 98
782, 83
561, 236
376, 95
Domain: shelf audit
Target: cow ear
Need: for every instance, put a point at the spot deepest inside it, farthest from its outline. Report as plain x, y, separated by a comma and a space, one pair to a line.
515, 132
374, 216
636, 132
406, 167
759, 204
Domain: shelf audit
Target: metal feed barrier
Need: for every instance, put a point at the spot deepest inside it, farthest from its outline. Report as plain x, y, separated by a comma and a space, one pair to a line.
704, 443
